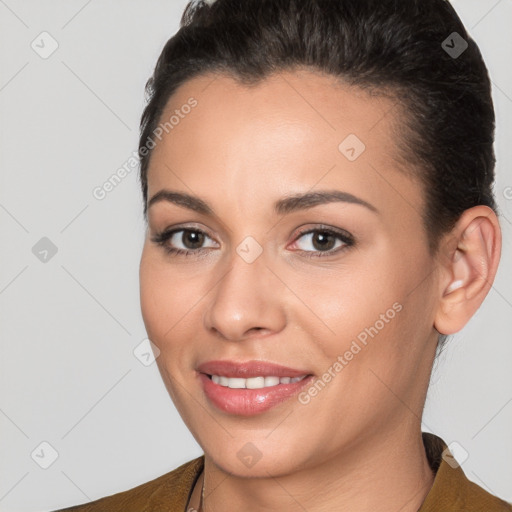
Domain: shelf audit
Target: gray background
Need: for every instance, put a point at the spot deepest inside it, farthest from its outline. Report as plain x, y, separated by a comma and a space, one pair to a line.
69, 325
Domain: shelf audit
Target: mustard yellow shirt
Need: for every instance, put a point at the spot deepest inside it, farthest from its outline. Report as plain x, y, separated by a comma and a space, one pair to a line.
451, 491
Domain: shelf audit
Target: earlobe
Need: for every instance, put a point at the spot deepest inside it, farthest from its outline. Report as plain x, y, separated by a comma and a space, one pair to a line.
471, 269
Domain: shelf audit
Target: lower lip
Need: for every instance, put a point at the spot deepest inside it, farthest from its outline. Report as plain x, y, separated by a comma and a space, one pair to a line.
249, 402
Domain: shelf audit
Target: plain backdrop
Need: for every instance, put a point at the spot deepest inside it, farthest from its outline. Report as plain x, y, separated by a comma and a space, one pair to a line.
73, 395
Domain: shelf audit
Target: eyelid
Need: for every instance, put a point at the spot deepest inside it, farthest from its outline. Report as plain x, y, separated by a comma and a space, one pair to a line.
342, 233
181, 227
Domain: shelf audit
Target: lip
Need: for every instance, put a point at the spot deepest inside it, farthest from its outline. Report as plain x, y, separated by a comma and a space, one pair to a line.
248, 369
249, 402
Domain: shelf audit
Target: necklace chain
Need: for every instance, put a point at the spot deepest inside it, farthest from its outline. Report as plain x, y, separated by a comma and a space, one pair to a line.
202, 498
190, 508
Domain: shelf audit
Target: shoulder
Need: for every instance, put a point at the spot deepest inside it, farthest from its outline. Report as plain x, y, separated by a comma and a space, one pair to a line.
456, 492
167, 493
452, 490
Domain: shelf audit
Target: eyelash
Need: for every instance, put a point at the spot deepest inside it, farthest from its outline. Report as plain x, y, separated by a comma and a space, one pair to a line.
162, 237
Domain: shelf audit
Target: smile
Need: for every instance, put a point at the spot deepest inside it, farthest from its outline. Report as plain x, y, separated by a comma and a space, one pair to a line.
248, 388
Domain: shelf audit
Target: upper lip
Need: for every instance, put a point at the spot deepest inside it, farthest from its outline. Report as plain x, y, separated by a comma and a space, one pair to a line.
248, 369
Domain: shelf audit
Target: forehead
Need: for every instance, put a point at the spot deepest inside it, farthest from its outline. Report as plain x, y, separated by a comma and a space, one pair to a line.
286, 133
299, 103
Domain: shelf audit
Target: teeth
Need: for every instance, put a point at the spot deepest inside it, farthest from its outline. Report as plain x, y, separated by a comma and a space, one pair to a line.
253, 382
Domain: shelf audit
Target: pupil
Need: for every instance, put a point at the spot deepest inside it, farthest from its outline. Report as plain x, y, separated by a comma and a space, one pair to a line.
323, 239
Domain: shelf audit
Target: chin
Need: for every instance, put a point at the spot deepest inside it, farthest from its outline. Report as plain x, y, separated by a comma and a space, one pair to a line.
255, 468
245, 457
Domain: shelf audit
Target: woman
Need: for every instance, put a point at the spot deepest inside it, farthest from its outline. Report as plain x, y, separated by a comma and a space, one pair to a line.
317, 181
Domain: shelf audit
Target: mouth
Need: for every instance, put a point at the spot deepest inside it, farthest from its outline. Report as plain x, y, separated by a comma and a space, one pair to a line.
249, 388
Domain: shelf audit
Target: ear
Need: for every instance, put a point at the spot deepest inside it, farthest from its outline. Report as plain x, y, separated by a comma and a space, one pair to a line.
469, 260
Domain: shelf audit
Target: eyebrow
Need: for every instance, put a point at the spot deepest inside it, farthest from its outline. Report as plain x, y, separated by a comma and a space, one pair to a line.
283, 206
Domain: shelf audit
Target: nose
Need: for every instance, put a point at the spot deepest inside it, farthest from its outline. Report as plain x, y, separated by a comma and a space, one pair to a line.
247, 301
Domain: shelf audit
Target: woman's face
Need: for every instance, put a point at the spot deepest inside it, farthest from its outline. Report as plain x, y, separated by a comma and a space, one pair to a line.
352, 307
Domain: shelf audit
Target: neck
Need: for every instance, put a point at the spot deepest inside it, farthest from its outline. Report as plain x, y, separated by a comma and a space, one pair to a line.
387, 473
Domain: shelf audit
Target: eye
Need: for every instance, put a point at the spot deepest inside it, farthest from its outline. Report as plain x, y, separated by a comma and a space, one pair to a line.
318, 242
322, 242
191, 241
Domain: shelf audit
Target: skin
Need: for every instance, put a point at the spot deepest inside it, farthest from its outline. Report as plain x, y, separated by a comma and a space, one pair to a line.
357, 444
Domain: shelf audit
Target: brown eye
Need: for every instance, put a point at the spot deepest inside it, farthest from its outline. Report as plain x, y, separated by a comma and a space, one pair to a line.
183, 241
323, 242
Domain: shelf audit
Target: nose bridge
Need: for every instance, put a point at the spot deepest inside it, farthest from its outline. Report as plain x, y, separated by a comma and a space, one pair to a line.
247, 296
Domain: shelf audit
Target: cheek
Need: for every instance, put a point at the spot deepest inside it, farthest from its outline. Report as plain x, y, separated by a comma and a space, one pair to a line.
365, 313
345, 302
152, 309
170, 303
159, 299
385, 323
